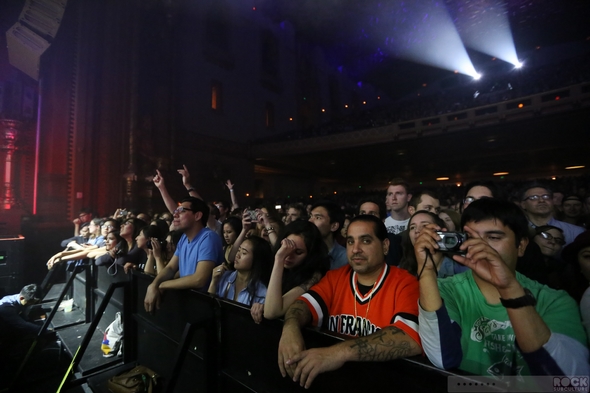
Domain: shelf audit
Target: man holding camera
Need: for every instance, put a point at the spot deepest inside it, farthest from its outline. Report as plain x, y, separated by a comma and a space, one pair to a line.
492, 320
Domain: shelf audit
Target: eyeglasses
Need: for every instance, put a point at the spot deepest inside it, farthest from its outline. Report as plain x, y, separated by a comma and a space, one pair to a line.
550, 237
107, 226
468, 200
182, 209
544, 197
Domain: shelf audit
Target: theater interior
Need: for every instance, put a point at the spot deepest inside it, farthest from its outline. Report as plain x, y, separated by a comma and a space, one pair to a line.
292, 101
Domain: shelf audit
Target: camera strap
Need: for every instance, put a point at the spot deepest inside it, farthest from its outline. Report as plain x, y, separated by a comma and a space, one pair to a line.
428, 256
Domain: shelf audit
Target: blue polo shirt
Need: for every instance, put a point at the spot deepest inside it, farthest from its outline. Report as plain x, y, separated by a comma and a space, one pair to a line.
206, 246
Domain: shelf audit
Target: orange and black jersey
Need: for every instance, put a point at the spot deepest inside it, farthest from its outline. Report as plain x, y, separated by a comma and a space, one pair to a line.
337, 304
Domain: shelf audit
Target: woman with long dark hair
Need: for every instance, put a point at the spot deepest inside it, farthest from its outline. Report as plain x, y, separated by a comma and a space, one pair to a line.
445, 266
127, 254
300, 262
232, 227
161, 252
247, 283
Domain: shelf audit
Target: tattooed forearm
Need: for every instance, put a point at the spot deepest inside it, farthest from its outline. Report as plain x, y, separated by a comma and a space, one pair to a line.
386, 344
299, 312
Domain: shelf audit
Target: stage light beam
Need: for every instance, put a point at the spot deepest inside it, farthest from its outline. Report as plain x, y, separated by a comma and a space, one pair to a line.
487, 30
430, 37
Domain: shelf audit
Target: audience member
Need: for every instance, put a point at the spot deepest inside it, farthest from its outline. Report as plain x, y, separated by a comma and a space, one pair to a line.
84, 216
127, 255
451, 218
478, 190
577, 255
398, 196
541, 261
372, 206
213, 221
537, 203
148, 237
11, 308
445, 266
198, 252
386, 331
232, 227
492, 320
329, 218
572, 210
376, 207
424, 200
161, 252
299, 263
296, 211
247, 283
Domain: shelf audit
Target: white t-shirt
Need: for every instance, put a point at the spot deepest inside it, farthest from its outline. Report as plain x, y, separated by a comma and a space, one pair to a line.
395, 226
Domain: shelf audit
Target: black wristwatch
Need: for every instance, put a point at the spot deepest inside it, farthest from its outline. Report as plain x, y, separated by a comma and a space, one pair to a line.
527, 300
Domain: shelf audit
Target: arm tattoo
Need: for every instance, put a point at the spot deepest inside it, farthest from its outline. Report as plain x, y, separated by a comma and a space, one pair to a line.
386, 344
311, 282
297, 311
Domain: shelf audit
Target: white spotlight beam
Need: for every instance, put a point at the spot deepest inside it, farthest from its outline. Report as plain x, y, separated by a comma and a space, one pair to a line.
436, 42
487, 30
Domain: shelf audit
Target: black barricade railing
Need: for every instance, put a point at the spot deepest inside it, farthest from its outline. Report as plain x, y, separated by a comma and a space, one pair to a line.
47, 321
242, 356
179, 340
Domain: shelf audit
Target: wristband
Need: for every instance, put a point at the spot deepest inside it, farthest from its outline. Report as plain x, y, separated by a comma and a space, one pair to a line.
189, 190
231, 190
527, 300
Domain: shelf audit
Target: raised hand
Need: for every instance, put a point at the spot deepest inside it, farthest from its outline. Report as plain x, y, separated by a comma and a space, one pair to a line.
158, 179
427, 241
287, 248
485, 260
156, 249
186, 176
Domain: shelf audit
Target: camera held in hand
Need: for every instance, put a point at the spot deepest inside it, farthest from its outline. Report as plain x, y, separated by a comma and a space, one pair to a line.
162, 244
450, 242
253, 215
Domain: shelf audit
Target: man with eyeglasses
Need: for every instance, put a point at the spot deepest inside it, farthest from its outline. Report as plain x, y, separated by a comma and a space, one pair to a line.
537, 203
198, 252
85, 216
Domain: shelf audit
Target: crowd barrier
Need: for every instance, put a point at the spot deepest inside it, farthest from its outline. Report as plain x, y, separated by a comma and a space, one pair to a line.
197, 342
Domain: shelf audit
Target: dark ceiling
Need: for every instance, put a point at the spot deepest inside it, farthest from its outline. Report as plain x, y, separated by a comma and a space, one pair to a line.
366, 36
352, 33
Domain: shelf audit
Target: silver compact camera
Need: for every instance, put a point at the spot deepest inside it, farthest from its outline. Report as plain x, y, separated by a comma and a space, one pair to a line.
451, 241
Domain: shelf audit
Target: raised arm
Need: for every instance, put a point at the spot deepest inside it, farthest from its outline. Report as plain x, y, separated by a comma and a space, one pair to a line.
157, 256
277, 304
217, 273
150, 263
272, 232
168, 200
232, 194
246, 225
186, 181
544, 351
441, 337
